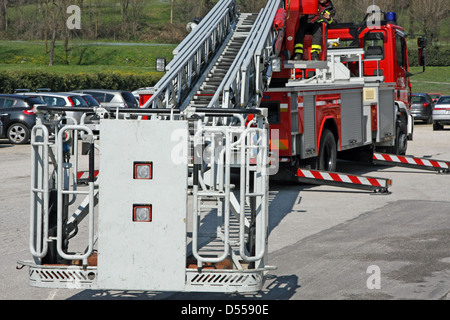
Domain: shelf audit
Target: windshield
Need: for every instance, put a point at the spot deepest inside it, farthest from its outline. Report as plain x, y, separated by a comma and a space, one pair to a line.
418, 99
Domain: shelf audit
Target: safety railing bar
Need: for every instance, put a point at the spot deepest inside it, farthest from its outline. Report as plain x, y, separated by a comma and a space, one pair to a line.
60, 181
262, 211
196, 211
74, 192
37, 235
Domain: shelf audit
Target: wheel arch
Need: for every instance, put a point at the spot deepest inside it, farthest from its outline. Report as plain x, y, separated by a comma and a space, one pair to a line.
330, 124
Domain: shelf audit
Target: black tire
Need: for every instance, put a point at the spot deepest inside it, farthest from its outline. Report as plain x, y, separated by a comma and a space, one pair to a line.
18, 133
401, 142
327, 158
437, 126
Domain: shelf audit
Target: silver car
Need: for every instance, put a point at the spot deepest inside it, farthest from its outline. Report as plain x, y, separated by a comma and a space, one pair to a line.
441, 113
62, 99
111, 99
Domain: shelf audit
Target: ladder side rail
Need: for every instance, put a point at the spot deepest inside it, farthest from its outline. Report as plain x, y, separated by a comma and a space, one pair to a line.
212, 37
236, 80
173, 79
240, 80
227, 84
39, 216
197, 36
263, 51
60, 187
204, 24
204, 74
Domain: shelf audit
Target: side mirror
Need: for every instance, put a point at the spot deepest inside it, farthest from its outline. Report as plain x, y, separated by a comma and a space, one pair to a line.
422, 42
160, 64
422, 57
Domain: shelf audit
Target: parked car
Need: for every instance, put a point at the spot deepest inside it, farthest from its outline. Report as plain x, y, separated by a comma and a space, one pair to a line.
441, 113
435, 96
422, 107
112, 98
90, 120
17, 117
61, 99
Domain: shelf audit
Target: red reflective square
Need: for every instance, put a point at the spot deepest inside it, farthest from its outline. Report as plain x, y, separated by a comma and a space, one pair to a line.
143, 170
142, 213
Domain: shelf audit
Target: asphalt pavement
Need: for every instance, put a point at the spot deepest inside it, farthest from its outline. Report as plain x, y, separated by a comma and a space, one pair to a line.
328, 243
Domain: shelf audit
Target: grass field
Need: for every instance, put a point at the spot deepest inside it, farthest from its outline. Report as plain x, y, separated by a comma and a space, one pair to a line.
91, 57
434, 79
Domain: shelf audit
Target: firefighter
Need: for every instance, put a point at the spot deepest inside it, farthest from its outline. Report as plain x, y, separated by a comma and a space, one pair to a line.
312, 24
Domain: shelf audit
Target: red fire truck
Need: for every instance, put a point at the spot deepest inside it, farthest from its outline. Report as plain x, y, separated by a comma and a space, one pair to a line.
352, 102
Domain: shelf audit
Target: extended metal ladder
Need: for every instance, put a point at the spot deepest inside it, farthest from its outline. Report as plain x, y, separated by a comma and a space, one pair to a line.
228, 55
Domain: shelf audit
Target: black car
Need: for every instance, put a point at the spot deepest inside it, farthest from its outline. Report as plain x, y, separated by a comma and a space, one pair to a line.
422, 107
17, 117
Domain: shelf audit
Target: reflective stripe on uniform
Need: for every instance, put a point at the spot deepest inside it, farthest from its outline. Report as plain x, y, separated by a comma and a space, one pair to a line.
316, 47
298, 48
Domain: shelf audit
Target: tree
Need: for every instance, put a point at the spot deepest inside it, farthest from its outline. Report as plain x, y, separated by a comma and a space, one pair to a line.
54, 17
427, 14
3, 17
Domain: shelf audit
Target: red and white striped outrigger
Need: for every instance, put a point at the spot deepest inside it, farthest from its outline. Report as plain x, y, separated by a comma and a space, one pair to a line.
83, 176
377, 185
411, 162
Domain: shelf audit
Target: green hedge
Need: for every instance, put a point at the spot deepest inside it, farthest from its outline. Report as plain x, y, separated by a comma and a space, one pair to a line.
9, 81
436, 57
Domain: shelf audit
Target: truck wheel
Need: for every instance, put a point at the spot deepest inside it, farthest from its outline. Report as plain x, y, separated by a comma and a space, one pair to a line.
327, 152
401, 142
